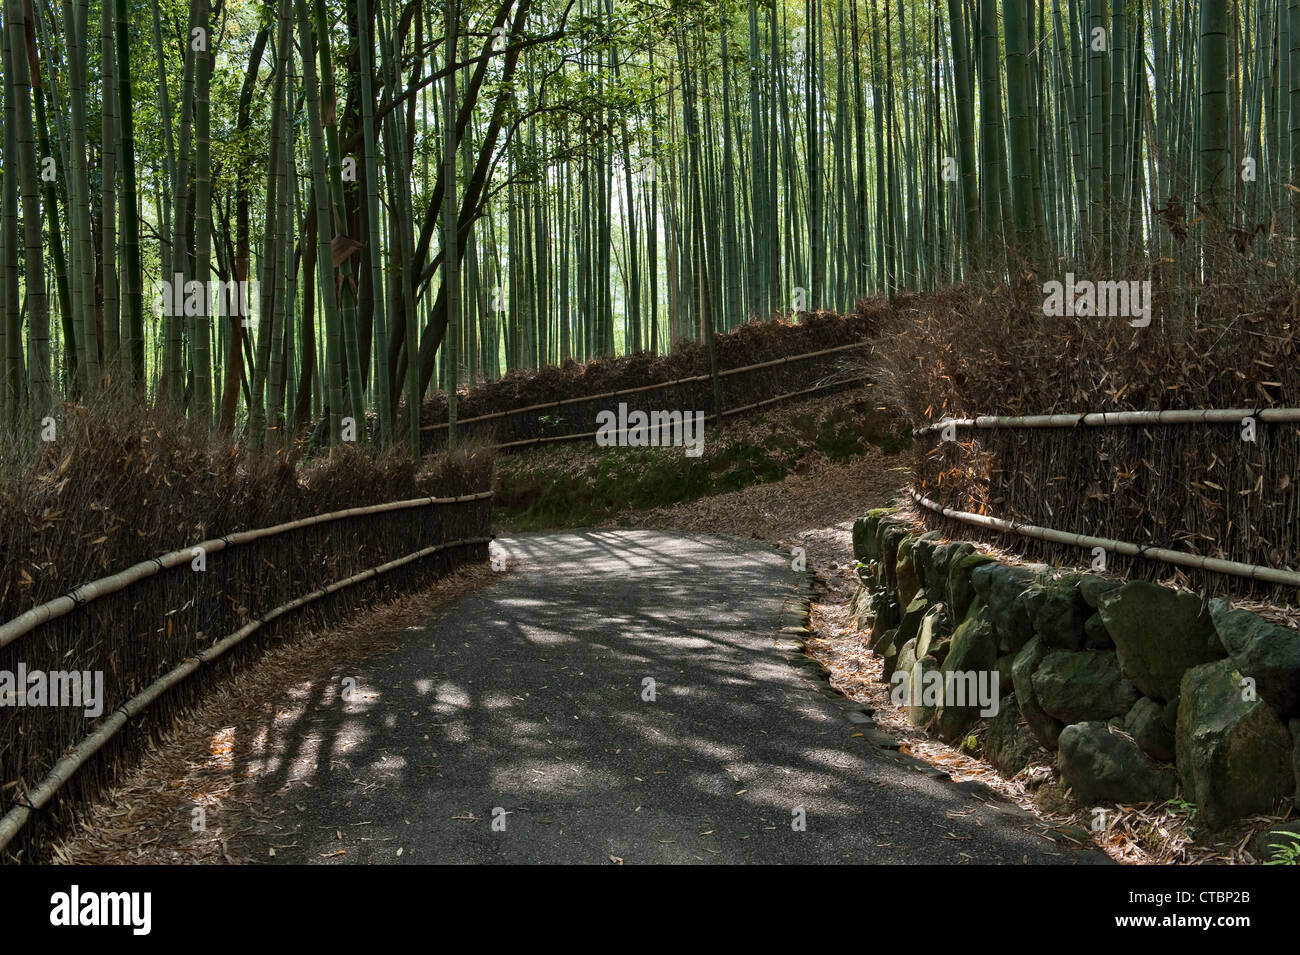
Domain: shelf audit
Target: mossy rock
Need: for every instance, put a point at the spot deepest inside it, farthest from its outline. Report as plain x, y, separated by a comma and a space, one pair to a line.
1092, 588
909, 581
934, 630
936, 584
1045, 727
1008, 744
1145, 723
1058, 614
1095, 634
973, 649
1003, 588
961, 589
887, 614
1082, 686
923, 560
1160, 634
1268, 654
1234, 753
1100, 765
891, 535
865, 534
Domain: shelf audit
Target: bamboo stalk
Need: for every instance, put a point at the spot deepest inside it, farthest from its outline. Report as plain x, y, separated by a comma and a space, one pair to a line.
86, 593
63, 770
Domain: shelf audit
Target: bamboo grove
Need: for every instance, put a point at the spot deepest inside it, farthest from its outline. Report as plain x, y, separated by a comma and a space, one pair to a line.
295, 218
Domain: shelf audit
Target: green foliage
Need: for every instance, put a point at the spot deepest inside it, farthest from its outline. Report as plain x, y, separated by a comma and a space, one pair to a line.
536, 490
1182, 807
1286, 852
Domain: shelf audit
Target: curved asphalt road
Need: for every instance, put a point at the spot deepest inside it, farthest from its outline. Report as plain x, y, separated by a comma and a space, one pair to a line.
517, 727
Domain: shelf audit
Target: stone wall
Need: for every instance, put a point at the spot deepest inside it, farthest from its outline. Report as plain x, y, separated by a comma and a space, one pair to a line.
1141, 692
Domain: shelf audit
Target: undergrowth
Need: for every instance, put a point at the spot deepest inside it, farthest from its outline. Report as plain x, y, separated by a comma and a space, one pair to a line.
581, 484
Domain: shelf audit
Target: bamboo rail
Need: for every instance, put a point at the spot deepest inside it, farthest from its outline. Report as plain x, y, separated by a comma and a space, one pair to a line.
86, 593
591, 434
1103, 419
63, 770
1233, 568
631, 391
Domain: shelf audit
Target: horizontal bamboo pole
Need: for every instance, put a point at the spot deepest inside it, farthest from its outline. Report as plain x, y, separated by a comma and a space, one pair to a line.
631, 391
59, 606
1103, 419
14, 820
794, 394
592, 434
1286, 578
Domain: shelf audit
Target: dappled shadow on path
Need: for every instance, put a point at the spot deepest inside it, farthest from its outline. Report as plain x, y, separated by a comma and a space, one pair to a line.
617, 694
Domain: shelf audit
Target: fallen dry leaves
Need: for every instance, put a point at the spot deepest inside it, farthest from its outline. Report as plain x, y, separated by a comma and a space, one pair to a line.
145, 817
816, 510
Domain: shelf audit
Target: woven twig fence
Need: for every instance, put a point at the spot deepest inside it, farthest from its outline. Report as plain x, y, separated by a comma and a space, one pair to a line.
162, 630
743, 389
589, 435
1216, 487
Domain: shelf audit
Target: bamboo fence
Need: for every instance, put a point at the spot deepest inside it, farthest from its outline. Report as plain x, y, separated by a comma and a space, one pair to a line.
14, 820
550, 439
92, 591
1233, 568
1105, 419
1217, 500
106, 626
526, 420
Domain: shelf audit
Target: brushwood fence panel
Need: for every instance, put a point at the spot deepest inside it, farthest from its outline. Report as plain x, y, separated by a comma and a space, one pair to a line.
1218, 483
745, 387
133, 635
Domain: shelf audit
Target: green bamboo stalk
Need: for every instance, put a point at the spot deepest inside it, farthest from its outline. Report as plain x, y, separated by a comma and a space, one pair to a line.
1022, 130
201, 326
378, 275
79, 196
1213, 168
325, 272
110, 314
38, 309
450, 217
334, 169
14, 392
132, 290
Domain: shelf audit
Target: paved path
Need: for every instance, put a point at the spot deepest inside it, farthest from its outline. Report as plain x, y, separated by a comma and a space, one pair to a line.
525, 702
